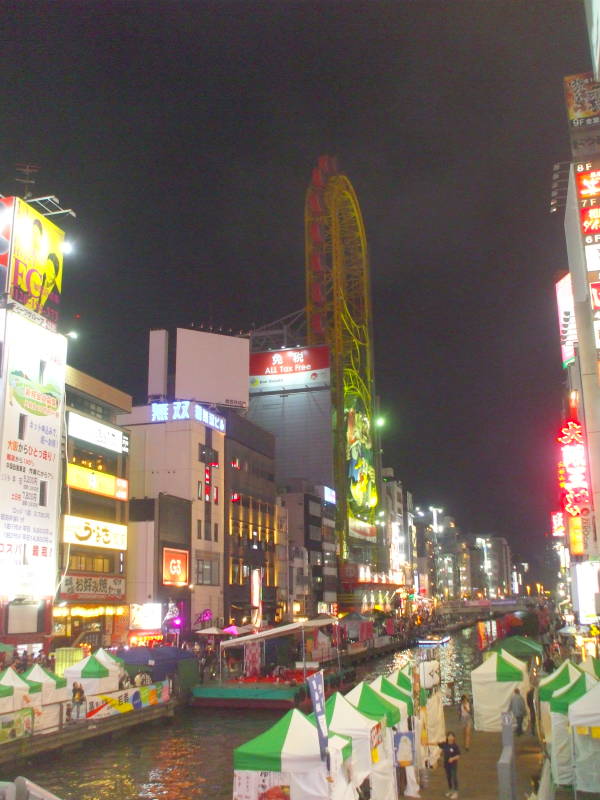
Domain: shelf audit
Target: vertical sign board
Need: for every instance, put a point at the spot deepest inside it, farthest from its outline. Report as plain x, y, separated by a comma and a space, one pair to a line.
316, 687
575, 487
33, 385
582, 98
566, 319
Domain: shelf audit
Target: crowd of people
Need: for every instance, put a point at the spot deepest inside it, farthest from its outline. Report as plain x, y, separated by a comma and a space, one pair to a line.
23, 661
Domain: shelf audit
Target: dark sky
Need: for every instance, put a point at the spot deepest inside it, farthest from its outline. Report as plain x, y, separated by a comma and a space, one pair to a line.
184, 134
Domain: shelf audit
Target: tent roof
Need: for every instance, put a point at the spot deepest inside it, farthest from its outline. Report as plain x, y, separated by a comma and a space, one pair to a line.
42, 675
401, 679
585, 712
342, 716
566, 673
563, 697
372, 704
89, 667
519, 646
591, 665
291, 744
282, 630
108, 658
212, 631
500, 666
6, 691
9, 677
384, 686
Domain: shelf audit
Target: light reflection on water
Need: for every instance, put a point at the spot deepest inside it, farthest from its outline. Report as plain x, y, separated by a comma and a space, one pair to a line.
192, 758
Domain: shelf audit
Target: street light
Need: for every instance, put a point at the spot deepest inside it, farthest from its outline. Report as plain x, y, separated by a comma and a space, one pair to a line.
380, 422
435, 512
73, 335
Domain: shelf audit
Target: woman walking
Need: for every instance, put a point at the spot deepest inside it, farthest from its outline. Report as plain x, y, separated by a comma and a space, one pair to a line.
465, 715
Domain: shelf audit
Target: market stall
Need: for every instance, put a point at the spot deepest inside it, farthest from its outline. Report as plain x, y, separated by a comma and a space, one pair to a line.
285, 762
584, 719
561, 755
493, 683
54, 689
520, 646
93, 675
27, 694
402, 678
7, 699
396, 695
591, 665
566, 673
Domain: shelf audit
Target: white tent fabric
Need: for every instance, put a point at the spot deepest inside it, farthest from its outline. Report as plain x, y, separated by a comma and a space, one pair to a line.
436, 725
50, 692
23, 697
95, 684
282, 630
545, 721
348, 720
561, 746
401, 705
492, 696
584, 718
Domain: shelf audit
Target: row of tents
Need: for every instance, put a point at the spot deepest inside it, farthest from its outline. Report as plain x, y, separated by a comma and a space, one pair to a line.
371, 730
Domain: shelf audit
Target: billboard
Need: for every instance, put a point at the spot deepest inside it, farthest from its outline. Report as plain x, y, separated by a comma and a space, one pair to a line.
94, 533
31, 258
94, 482
574, 484
212, 368
362, 495
566, 319
582, 98
30, 455
90, 588
175, 567
97, 433
292, 368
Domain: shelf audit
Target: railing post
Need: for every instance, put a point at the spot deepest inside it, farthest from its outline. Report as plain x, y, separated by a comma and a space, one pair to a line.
506, 767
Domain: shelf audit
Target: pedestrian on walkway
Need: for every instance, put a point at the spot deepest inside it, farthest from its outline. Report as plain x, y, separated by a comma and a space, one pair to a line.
451, 753
465, 715
531, 707
518, 708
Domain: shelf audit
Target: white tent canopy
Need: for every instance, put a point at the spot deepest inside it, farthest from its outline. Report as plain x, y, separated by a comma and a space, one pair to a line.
493, 684
52, 689
585, 712
561, 676
561, 752
94, 676
282, 630
25, 695
584, 718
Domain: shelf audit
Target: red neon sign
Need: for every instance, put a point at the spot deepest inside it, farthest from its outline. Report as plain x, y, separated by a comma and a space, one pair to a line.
573, 470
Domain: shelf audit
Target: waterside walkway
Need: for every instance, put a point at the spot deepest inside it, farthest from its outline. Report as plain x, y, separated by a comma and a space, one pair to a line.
477, 773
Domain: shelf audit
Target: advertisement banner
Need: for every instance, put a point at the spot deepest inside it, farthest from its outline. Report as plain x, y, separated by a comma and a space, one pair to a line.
16, 725
362, 530
582, 98
93, 587
261, 785
100, 706
89, 480
7, 211
36, 261
316, 687
94, 432
296, 368
175, 571
94, 533
145, 616
30, 466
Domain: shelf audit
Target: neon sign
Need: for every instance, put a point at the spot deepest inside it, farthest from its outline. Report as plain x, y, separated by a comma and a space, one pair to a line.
186, 409
558, 524
573, 469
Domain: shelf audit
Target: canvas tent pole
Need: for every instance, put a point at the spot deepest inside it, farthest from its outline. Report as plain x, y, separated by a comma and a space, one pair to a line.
303, 653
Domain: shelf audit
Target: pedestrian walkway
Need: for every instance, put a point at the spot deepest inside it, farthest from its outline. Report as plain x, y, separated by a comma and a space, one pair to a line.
477, 775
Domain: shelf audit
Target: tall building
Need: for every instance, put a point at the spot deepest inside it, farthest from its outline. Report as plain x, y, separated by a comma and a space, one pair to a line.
91, 599
496, 564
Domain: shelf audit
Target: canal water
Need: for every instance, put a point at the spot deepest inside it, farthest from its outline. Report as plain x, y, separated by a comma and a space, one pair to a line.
192, 758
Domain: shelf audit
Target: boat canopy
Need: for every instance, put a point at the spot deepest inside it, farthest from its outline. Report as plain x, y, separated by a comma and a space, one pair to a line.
282, 630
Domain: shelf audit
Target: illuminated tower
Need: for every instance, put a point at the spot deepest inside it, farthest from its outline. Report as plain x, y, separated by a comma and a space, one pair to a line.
338, 312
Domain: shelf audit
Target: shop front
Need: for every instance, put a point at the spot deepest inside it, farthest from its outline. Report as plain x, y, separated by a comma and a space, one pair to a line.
91, 611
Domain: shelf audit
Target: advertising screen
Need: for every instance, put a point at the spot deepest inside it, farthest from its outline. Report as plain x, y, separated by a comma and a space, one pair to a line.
102, 483
36, 261
295, 368
566, 319
582, 98
32, 412
94, 432
212, 368
361, 480
145, 616
175, 570
94, 533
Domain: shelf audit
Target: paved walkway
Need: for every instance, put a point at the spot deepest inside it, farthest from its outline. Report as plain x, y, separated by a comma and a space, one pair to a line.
477, 776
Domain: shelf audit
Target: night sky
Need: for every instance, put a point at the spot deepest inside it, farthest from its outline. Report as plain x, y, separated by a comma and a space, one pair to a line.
184, 135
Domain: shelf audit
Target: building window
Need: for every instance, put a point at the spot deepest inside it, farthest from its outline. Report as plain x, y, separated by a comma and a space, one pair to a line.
199, 529
207, 530
216, 531
314, 533
207, 572
200, 490
235, 571
81, 563
215, 493
235, 463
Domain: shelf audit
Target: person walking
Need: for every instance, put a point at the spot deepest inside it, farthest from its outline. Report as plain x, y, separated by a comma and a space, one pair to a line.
78, 699
531, 707
451, 753
465, 715
518, 708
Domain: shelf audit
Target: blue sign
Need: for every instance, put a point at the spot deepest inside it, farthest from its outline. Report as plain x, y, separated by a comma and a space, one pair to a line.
316, 687
186, 409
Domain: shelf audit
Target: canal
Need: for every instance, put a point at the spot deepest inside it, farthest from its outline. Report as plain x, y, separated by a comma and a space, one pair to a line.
192, 758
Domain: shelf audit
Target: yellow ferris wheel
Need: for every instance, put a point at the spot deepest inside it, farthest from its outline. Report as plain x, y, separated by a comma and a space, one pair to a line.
338, 313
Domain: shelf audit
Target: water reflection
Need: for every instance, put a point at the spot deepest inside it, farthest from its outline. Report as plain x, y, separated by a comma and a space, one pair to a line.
192, 757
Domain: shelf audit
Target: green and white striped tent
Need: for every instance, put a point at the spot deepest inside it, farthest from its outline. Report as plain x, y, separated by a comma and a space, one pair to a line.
402, 678
591, 665
395, 695
7, 699
27, 694
549, 684
108, 659
288, 756
561, 754
93, 675
493, 683
54, 689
